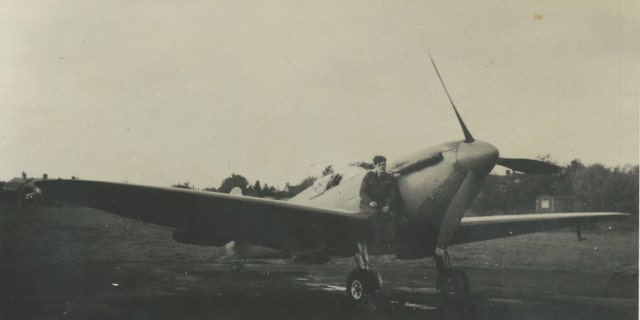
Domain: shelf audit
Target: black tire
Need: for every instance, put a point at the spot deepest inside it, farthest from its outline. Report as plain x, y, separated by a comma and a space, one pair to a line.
453, 281
361, 283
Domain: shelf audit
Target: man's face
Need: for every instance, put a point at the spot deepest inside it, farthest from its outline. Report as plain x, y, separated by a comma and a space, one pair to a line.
381, 167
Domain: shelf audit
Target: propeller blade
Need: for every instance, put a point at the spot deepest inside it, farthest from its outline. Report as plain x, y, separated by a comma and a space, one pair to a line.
528, 166
457, 208
467, 134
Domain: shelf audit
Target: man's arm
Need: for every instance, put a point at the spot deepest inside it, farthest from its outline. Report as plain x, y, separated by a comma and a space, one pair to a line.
364, 189
394, 192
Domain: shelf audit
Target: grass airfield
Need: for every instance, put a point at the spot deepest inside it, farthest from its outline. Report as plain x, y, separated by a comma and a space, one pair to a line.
81, 263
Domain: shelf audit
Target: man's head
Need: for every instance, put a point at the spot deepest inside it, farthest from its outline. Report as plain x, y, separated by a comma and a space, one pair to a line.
380, 164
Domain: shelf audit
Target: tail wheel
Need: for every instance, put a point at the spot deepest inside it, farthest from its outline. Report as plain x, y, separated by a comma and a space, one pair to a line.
362, 282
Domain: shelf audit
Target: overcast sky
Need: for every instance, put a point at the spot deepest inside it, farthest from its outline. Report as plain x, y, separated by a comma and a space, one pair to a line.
160, 92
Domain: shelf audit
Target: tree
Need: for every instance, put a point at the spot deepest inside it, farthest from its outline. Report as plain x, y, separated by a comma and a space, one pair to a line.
563, 184
363, 164
513, 193
604, 189
328, 170
234, 181
271, 192
588, 186
598, 189
185, 185
266, 190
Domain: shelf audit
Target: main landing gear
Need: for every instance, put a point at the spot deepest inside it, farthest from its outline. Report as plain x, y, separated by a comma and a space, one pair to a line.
364, 284
450, 281
457, 300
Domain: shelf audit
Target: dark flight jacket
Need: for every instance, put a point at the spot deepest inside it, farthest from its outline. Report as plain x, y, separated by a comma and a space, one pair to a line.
382, 189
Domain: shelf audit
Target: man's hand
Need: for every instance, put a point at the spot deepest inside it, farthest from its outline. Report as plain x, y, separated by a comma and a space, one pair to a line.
373, 204
388, 212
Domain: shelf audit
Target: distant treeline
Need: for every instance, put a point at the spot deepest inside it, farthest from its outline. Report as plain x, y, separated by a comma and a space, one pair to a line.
597, 188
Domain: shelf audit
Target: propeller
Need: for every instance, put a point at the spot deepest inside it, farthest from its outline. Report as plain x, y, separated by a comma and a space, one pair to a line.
528, 166
521, 165
467, 134
478, 158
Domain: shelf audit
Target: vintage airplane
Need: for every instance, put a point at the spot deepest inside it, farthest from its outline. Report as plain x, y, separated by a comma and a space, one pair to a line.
436, 186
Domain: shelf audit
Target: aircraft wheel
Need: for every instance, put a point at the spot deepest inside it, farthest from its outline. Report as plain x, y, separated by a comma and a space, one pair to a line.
361, 283
453, 281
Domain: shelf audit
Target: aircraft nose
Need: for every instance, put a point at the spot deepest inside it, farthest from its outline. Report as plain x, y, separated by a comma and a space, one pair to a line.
477, 156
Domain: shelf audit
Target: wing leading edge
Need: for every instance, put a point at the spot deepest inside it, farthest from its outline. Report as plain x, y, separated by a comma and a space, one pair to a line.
209, 218
474, 229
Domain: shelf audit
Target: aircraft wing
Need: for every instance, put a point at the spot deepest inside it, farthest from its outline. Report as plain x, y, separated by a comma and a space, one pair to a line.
210, 218
474, 229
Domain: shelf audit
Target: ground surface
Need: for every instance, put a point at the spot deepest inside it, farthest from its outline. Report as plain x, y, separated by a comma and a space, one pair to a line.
79, 263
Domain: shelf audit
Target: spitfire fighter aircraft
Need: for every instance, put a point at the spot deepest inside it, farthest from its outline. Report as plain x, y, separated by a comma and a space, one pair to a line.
436, 187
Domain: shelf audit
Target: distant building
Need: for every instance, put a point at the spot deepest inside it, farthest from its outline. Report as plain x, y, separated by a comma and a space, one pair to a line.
547, 204
17, 188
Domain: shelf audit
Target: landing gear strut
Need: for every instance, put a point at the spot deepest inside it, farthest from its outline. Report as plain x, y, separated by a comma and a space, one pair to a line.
450, 280
457, 300
363, 282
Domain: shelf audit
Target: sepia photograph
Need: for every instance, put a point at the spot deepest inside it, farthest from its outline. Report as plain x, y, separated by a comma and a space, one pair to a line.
319, 159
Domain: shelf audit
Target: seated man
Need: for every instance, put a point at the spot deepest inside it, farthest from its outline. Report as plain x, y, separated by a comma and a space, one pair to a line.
379, 195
